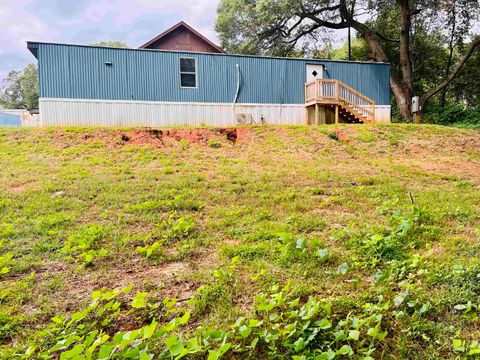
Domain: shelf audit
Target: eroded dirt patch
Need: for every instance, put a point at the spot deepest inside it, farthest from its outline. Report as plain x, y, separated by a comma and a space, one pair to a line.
17, 189
171, 137
138, 273
342, 136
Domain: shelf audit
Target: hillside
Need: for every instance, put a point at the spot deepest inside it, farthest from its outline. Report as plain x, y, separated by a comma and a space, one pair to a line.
263, 242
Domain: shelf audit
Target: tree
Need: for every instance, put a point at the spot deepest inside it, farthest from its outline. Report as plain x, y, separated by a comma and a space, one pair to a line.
11, 95
465, 88
278, 27
114, 44
20, 89
29, 86
359, 51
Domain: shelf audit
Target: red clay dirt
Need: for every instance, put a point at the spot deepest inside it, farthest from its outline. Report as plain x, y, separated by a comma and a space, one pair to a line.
342, 136
193, 136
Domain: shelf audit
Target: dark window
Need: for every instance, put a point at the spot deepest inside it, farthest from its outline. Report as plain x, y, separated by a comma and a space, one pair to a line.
188, 72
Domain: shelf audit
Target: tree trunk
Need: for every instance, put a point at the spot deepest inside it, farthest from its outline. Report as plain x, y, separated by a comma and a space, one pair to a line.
405, 61
401, 88
404, 102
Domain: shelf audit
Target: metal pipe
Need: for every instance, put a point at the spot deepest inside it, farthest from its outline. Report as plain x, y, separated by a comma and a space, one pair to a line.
237, 92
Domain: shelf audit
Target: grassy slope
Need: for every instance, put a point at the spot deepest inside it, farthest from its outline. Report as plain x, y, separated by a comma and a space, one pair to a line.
66, 194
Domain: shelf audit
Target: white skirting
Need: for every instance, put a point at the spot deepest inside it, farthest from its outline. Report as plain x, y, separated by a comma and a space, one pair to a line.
67, 112
73, 112
383, 114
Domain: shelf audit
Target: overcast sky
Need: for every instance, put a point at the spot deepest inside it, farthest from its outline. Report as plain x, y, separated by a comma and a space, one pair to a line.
90, 21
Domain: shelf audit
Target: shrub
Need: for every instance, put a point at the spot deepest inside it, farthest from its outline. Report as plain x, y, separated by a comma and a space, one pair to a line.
333, 136
215, 144
452, 115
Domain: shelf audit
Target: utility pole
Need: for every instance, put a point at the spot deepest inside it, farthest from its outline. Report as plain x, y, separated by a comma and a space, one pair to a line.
349, 45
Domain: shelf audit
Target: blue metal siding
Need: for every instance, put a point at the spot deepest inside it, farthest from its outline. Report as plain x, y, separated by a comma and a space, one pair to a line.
80, 72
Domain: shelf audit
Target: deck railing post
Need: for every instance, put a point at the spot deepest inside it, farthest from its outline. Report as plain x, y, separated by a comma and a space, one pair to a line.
334, 92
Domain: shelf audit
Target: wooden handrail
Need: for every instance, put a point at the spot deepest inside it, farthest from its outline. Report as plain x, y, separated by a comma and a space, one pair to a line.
332, 91
356, 92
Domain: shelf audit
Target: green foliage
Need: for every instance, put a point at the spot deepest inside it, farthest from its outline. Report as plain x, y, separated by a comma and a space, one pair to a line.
219, 292
86, 332
9, 324
359, 51
239, 22
453, 115
215, 144
20, 89
465, 88
471, 351
333, 135
85, 245
11, 96
29, 85
170, 230
409, 229
308, 330
5, 263
281, 325
179, 202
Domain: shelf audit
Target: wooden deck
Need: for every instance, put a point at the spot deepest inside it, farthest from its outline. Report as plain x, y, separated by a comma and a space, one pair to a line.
348, 104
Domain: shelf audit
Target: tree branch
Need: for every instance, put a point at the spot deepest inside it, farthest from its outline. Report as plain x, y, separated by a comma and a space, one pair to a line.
416, 11
383, 37
307, 12
471, 49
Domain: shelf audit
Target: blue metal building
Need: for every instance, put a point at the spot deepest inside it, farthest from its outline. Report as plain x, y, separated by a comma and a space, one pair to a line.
88, 85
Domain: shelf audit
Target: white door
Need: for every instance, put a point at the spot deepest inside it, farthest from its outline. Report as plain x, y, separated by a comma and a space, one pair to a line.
314, 72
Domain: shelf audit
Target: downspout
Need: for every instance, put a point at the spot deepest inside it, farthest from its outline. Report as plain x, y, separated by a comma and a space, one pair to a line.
237, 92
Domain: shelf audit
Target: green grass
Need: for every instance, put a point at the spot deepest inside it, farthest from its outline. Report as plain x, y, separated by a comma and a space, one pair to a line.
292, 242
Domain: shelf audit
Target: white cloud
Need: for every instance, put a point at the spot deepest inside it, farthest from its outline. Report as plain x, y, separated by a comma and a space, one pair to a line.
18, 26
88, 21
199, 13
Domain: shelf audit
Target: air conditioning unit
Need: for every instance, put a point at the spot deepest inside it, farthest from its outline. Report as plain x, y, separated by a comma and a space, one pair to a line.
244, 119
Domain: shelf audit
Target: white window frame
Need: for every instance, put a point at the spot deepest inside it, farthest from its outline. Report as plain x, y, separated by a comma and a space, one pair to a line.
186, 72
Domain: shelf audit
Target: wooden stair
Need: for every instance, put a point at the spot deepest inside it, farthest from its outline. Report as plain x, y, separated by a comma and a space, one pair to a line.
348, 104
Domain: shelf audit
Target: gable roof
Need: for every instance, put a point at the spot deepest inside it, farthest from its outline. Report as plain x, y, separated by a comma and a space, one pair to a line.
184, 25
